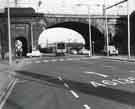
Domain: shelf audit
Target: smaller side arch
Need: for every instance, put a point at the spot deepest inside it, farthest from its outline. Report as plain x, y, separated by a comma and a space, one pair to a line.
24, 44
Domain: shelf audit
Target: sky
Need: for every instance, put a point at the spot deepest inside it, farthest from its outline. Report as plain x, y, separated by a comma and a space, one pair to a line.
49, 36
69, 6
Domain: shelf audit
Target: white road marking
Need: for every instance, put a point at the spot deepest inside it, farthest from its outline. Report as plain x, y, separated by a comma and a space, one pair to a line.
37, 62
84, 58
76, 59
66, 85
74, 94
108, 67
10, 87
45, 61
53, 60
87, 61
69, 59
11, 73
99, 74
86, 106
132, 71
22, 81
28, 62
61, 59
60, 78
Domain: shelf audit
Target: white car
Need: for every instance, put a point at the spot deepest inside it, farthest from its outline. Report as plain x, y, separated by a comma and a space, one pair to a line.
112, 50
34, 53
84, 51
73, 52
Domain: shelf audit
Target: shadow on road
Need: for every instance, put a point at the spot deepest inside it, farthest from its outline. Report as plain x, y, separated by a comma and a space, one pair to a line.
107, 93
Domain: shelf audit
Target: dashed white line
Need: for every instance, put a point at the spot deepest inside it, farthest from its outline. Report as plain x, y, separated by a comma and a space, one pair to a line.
37, 62
66, 85
86, 106
61, 59
84, 58
74, 94
99, 74
110, 67
28, 62
132, 71
22, 81
45, 61
69, 59
53, 60
60, 78
76, 59
11, 73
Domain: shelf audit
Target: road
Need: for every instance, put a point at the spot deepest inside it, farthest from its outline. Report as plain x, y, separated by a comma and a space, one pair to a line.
74, 83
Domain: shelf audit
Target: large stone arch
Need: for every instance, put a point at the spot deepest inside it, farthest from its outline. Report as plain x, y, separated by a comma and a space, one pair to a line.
83, 28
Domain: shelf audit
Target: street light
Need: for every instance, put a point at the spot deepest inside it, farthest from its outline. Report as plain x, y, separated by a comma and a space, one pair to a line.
106, 27
89, 20
9, 36
129, 55
32, 40
128, 12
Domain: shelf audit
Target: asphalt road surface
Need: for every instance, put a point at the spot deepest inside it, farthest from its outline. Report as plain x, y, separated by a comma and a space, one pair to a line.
74, 83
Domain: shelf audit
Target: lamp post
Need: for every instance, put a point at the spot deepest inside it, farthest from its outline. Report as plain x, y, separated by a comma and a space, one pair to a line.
9, 36
32, 40
129, 55
106, 28
89, 20
128, 12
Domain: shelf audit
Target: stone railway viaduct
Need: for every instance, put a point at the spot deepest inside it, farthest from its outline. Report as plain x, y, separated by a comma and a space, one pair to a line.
27, 27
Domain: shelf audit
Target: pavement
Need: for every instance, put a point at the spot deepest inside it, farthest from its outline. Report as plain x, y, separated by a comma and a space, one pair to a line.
122, 58
7, 79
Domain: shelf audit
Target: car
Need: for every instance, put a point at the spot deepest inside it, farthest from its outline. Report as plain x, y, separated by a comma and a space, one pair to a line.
84, 52
34, 53
73, 52
111, 49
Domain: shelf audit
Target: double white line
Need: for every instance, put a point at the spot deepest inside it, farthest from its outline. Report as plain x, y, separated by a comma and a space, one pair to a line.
7, 92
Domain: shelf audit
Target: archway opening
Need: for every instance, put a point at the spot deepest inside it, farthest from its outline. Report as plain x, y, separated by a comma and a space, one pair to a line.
24, 44
97, 37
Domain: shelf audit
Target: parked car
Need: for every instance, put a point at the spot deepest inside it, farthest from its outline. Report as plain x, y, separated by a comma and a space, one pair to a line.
34, 53
111, 49
73, 51
84, 51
